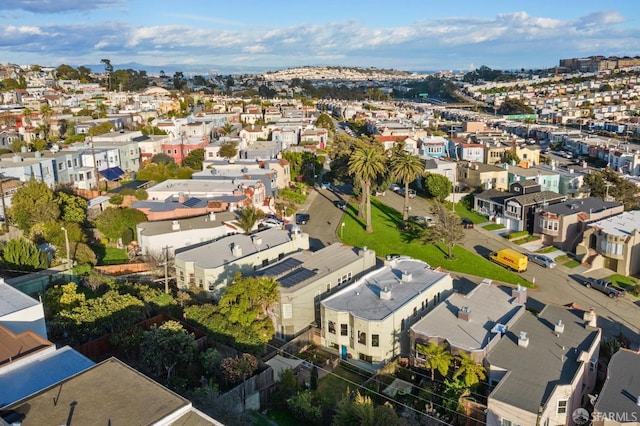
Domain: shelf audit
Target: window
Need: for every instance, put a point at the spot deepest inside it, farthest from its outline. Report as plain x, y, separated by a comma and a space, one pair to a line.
344, 330
328, 287
562, 406
332, 327
287, 311
60, 166
69, 163
375, 340
362, 337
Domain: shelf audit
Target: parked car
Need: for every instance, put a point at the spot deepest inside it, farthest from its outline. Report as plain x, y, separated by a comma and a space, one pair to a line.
395, 187
423, 220
467, 223
412, 192
325, 185
341, 204
541, 260
302, 218
604, 286
271, 223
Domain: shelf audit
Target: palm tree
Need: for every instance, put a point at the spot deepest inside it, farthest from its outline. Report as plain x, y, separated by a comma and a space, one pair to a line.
406, 168
438, 358
366, 163
470, 370
226, 129
248, 218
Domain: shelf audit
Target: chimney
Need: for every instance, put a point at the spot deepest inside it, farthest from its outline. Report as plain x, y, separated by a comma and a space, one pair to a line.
464, 313
523, 340
590, 318
181, 197
256, 240
406, 277
385, 293
558, 328
520, 295
236, 250
212, 216
175, 225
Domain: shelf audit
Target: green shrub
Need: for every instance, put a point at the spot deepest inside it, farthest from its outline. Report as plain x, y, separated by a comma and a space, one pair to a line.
116, 199
292, 195
517, 234
141, 194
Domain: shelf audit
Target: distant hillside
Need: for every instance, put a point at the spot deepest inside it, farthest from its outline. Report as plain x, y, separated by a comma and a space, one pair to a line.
338, 73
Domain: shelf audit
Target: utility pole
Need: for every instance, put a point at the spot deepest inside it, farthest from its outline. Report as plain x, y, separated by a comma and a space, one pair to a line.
165, 249
95, 164
4, 207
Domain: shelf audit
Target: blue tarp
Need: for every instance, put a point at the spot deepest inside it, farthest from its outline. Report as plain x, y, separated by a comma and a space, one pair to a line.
113, 173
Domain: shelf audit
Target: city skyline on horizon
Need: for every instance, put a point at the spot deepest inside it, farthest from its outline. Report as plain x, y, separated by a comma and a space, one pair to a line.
408, 36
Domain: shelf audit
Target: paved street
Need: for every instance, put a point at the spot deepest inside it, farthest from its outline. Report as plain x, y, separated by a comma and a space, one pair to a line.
553, 285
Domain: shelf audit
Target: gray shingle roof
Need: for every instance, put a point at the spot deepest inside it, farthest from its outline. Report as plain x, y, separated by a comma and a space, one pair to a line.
585, 205
527, 385
362, 298
622, 389
488, 304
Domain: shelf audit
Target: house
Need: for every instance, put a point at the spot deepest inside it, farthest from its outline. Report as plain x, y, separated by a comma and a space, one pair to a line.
19, 312
126, 143
434, 146
617, 402
562, 225
369, 319
472, 152
179, 148
544, 368
171, 235
613, 243
306, 278
252, 134
25, 166
472, 323
28, 355
110, 392
437, 166
480, 175
211, 266
549, 180
519, 210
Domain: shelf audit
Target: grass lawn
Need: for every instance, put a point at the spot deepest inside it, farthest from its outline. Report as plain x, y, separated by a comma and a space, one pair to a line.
388, 239
278, 415
566, 261
526, 240
547, 249
469, 214
332, 387
493, 227
628, 283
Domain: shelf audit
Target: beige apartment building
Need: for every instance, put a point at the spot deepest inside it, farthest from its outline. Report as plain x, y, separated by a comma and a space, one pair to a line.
369, 320
480, 175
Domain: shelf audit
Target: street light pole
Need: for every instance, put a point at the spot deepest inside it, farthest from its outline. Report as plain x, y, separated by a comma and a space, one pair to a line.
66, 241
342, 231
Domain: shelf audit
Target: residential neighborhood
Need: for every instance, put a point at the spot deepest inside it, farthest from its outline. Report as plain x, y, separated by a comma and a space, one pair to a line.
255, 252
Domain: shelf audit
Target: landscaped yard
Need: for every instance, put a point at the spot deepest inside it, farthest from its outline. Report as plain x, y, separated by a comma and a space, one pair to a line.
547, 249
332, 387
493, 227
388, 239
628, 283
566, 261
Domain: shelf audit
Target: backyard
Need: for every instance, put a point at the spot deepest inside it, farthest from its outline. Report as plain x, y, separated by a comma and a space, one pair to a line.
388, 239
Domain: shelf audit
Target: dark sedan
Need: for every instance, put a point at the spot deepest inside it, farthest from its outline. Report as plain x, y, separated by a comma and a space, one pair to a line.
302, 218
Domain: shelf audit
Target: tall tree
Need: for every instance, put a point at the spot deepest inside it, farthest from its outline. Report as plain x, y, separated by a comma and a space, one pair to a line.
471, 372
228, 150
366, 163
406, 168
194, 159
113, 222
22, 255
248, 303
33, 203
438, 358
447, 228
437, 186
166, 346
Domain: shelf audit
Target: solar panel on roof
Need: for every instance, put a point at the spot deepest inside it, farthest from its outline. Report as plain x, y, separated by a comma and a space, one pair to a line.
282, 267
191, 202
296, 277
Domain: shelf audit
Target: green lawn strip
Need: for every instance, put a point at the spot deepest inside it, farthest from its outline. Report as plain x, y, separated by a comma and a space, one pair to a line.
548, 249
469, 214
525, 240
517, 234
493, 227
572, 264
114, 255
628, 283
562, 258
388, 239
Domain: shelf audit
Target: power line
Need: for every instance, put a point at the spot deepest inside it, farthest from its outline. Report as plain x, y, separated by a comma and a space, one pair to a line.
387, 396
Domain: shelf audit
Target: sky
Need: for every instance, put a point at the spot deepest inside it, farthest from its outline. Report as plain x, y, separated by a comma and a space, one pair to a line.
411, 35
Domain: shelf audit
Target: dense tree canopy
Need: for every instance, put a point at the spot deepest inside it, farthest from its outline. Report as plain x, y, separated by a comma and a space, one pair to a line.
194, 159
166, 346
437, 186
228, 150
607, 182
114, 221
33, 203
73, 208
160, 172
19, 254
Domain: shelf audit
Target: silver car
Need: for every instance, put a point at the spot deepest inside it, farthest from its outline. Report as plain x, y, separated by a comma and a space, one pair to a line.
541, 260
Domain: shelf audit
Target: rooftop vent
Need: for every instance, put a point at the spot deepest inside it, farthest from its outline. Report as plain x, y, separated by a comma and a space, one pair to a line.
385, 294
559, 328
590, 318
406, 277
175, 225
520, 294
523, 340
236, 250
256, 239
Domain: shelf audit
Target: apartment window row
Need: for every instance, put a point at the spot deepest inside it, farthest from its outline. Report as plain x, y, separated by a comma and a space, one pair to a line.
549, 225
375, 339
344, 279
611, 247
